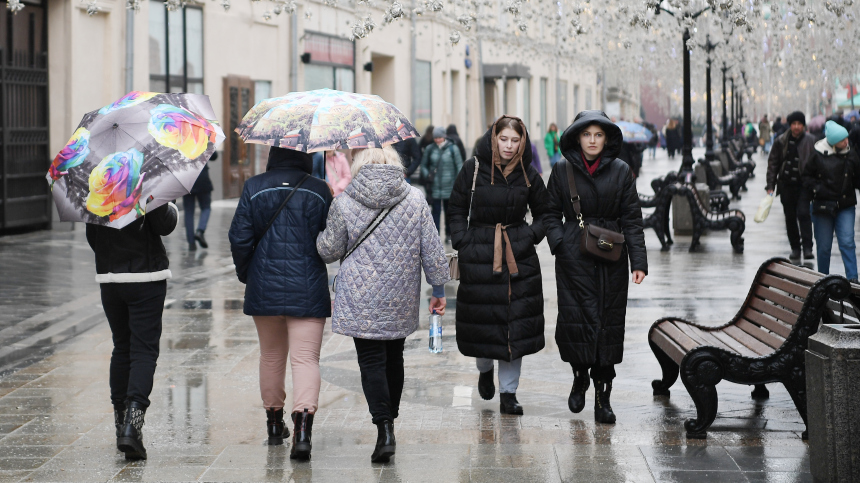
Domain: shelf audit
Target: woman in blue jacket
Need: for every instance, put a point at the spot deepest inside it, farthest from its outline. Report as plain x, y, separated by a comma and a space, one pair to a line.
286, 285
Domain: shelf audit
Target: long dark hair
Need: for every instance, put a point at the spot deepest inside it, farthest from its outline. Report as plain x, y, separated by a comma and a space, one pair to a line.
509, 122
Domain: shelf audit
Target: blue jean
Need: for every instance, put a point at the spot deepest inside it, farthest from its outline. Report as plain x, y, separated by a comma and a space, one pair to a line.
509, 373
843, 224
436, 208
205, 201
554, 159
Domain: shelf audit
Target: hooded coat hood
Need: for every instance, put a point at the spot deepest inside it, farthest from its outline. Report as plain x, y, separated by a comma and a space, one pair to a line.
487, 151
569, 142
280, 158
378, 186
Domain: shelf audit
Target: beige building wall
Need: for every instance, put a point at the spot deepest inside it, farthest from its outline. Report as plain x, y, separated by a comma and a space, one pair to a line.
87, 58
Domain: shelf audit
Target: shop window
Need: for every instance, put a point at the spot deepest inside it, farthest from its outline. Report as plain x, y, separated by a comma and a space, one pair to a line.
175, 49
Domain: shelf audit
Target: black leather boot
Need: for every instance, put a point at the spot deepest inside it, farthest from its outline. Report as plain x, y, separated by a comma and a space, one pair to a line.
276, 427
385, 443
508, 404
198, 235
303, 423
486, 387
602, 409
576, 400
118, 419
130, 439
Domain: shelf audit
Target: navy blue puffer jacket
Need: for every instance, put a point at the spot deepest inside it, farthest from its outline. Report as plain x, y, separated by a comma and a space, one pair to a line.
284, 275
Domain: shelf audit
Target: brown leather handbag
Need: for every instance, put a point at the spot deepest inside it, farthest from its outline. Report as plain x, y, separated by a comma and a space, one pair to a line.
602, 244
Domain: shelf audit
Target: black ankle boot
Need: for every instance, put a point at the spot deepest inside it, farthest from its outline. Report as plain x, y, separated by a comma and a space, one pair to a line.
301, 449
130, 439
602, 409
385, 443
199, 237
486, 387
118, 419
508, 404
275, 426
576, 400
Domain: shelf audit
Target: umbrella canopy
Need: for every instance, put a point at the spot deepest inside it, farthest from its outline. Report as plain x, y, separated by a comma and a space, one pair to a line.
816, 122
634, 133
323, 120
848, 115
132, 156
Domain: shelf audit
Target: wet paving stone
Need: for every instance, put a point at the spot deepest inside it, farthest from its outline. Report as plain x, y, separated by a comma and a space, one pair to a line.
206, 422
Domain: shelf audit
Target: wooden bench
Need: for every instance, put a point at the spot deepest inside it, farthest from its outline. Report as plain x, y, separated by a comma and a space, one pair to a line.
661, 201
764, 343
705, 219
735, 180
734, 152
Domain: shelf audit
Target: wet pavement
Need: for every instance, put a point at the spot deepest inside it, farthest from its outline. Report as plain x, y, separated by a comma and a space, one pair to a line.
206, 422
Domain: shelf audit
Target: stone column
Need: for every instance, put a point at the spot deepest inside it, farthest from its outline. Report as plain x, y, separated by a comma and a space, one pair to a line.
833, 408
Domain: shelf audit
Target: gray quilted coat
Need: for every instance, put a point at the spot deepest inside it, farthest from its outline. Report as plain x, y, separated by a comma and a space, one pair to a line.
378, 286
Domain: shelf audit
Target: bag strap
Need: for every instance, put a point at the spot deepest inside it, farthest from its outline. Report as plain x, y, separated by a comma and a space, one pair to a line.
370, 228
573, 194
280, 208
472, 196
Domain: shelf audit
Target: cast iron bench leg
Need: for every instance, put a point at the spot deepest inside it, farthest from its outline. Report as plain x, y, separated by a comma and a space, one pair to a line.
760, 392
670, 372
700, 374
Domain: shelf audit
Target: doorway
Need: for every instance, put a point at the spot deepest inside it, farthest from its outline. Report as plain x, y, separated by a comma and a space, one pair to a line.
239, 157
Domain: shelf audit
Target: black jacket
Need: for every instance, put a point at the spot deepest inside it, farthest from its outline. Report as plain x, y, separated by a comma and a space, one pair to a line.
498, 316
284, 275
779, 151
592, 295
410, 155
135, 253
831, 176
451, 134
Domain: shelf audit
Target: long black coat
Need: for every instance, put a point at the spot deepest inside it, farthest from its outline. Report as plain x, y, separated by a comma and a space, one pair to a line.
592, 295
498, 317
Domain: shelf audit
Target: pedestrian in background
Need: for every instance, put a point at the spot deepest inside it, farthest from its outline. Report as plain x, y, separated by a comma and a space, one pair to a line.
454, 137
831, 175
132, 271
785, 164
654, 141
410, 156
765, 134
202, 193
439, 167
500, 297
550, 142
319, 165
779, 127
379, 280
427, 138
536, 159
592, 294
337, 171
286, 290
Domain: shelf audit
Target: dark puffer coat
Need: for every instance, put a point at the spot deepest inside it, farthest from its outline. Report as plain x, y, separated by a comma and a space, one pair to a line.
592, 295
833, 176
284, 275
498, 316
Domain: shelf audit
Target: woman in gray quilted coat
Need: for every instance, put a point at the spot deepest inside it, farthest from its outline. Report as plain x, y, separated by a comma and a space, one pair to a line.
379, 283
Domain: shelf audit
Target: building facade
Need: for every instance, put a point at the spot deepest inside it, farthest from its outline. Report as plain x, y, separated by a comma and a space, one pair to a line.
71, 61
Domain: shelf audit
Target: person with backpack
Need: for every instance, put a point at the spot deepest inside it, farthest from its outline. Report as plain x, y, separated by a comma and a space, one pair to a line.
439, 167
286, 290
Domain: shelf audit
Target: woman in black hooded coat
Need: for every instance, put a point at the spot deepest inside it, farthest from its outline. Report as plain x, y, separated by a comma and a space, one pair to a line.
592, 294
500, 299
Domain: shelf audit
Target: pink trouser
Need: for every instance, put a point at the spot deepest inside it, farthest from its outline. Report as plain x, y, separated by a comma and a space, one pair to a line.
301, 338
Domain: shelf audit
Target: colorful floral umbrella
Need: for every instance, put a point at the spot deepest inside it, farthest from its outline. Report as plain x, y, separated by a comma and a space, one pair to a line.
132, 156
634, 133
325, 119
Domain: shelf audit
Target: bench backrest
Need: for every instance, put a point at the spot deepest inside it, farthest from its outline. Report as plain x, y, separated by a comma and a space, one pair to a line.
776, 309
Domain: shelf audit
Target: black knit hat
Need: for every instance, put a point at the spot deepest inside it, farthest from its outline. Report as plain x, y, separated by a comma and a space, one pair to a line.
796, 116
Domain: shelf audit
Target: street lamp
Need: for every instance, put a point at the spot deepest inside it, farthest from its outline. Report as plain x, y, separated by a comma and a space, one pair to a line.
687, 160
709, 139
725, 134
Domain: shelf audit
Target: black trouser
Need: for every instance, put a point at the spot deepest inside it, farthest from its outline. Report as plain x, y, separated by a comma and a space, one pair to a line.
598, 373
134, 313
795, 205
381, 364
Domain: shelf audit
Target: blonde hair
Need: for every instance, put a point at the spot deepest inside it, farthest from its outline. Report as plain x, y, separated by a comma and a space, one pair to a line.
386, 155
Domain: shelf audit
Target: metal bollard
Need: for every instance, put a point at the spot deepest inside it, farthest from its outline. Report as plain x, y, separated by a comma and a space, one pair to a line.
833, 408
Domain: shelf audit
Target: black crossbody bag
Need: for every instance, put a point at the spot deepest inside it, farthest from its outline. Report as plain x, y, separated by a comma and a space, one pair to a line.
280, 209
601, 244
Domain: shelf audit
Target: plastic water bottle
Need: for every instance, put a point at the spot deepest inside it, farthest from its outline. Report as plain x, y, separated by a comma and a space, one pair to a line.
435, 333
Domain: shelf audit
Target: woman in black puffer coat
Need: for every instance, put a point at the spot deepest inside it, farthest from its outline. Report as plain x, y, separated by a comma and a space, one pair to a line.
592, 295
500, 299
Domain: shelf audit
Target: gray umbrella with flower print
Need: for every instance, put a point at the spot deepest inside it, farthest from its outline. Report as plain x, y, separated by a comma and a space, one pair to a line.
133, 156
